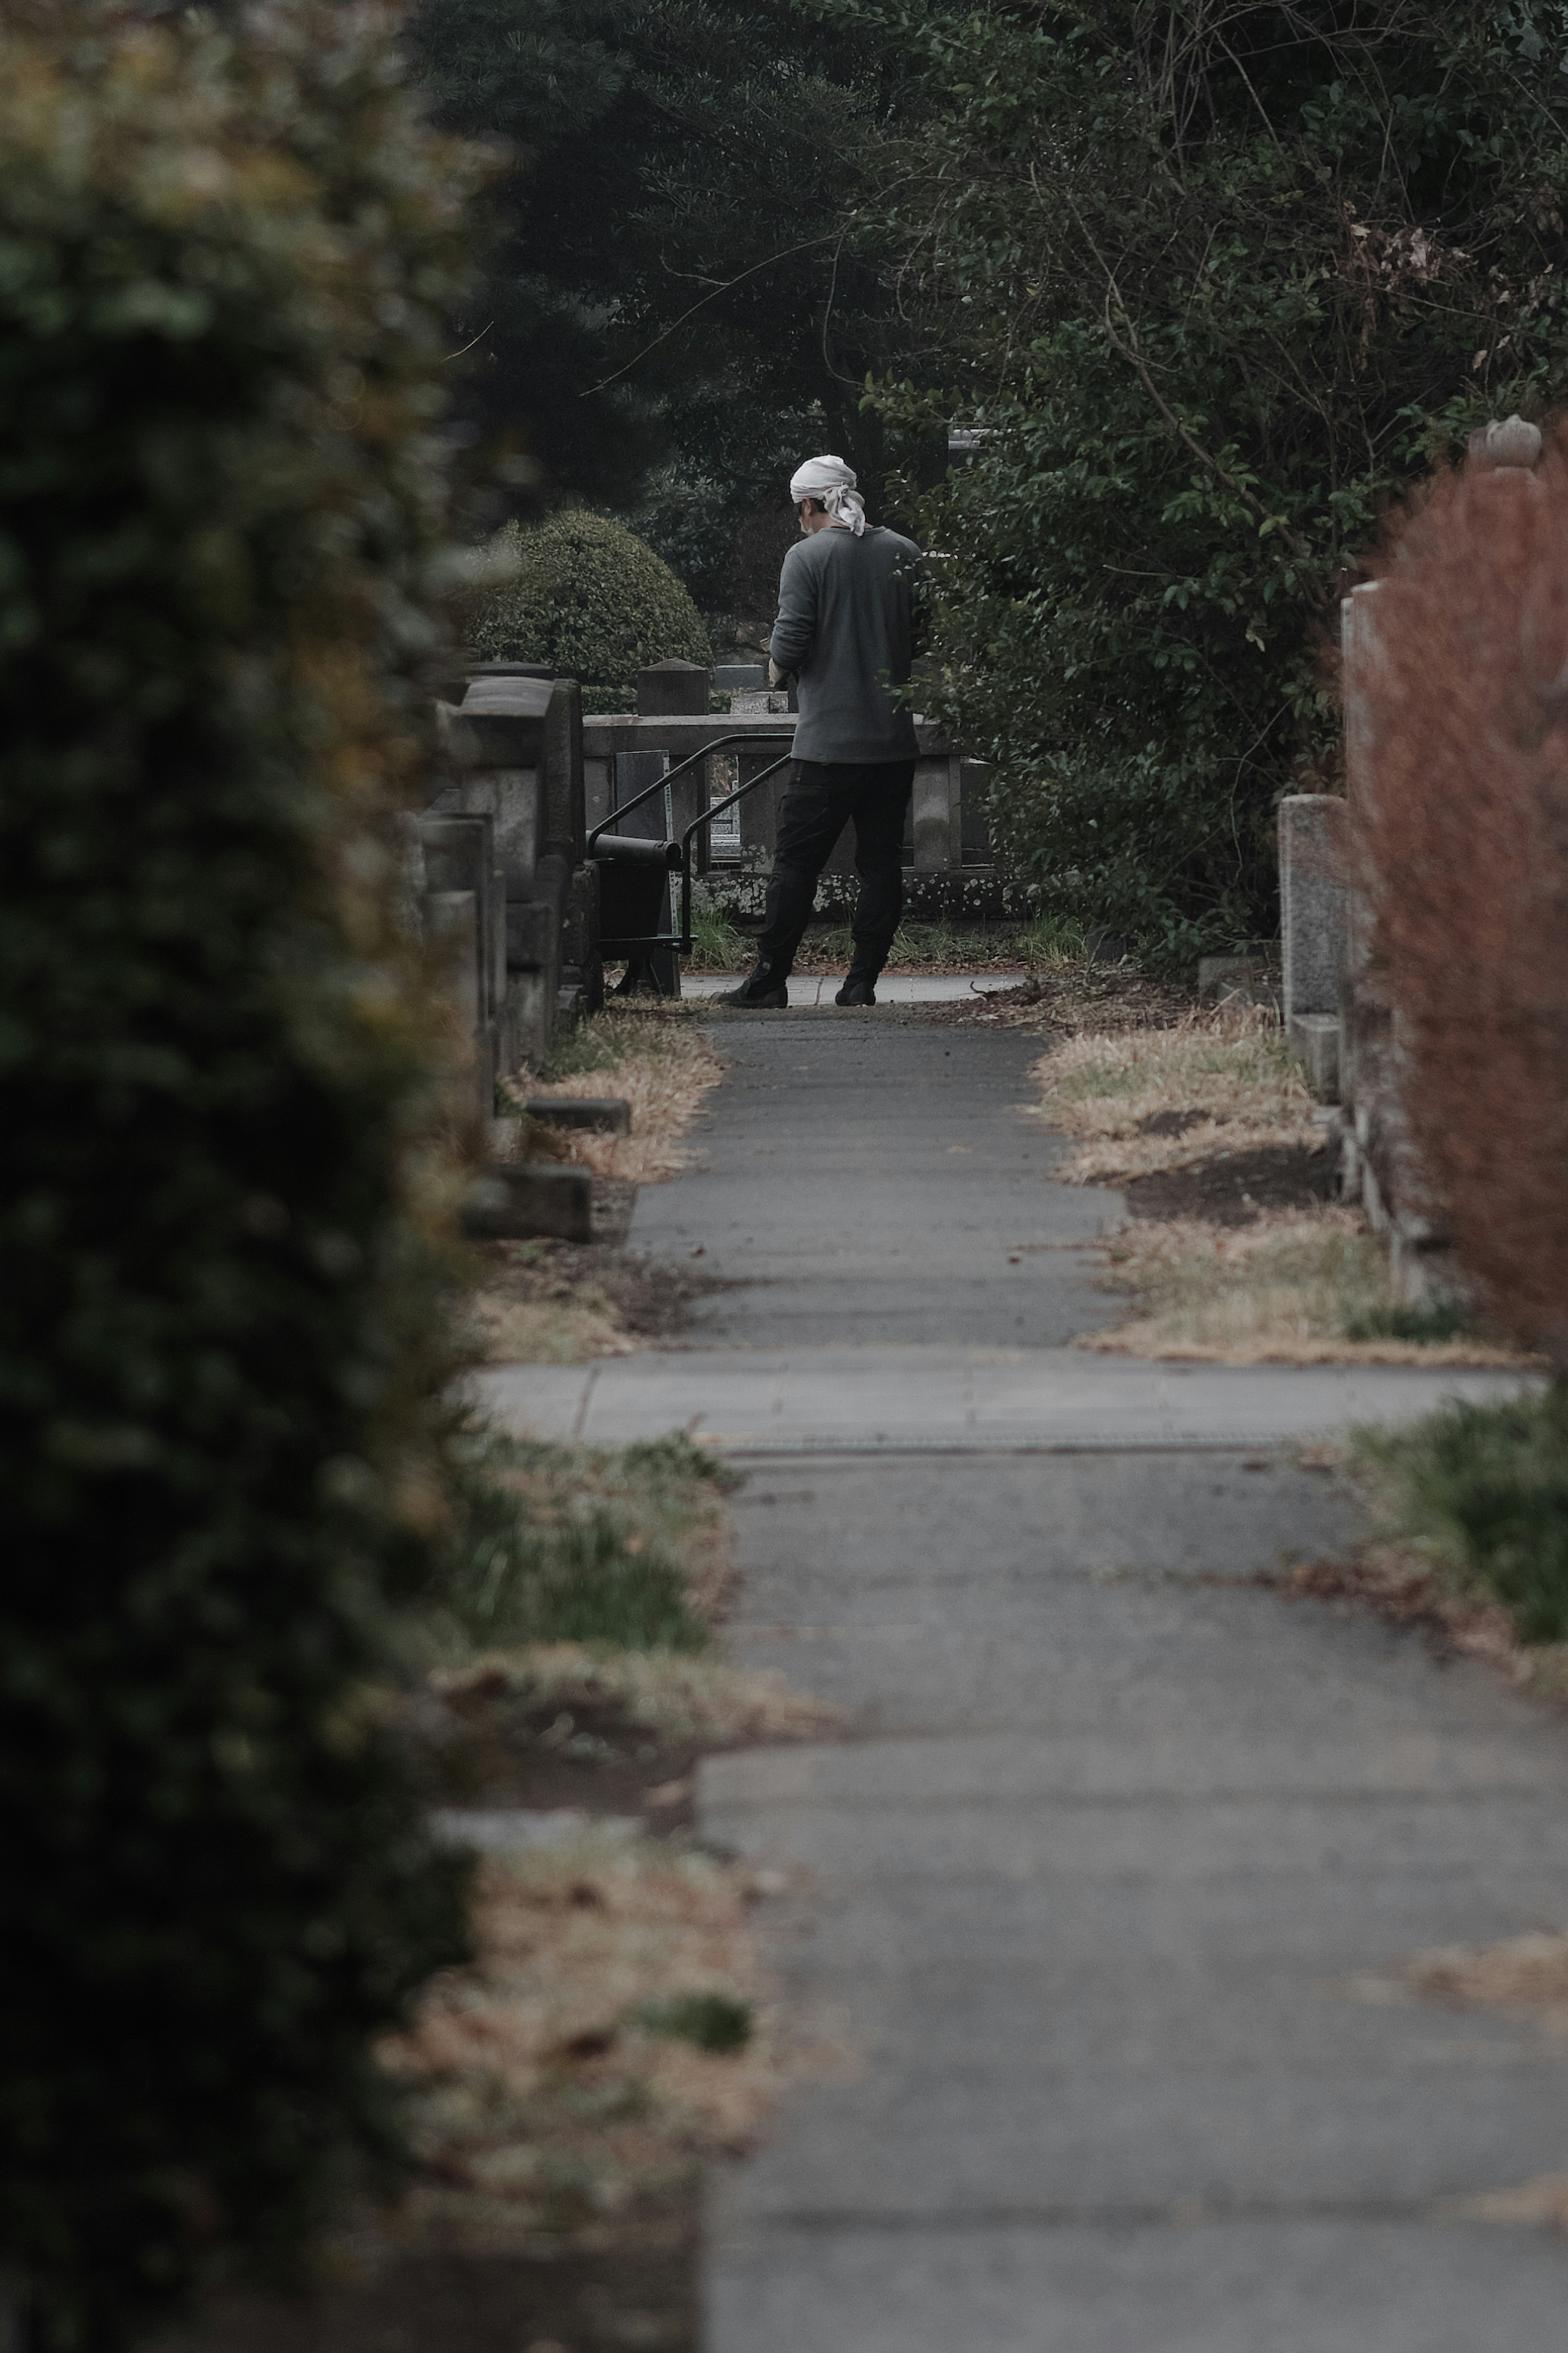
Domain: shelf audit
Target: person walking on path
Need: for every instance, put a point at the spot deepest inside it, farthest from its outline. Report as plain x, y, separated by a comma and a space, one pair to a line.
843, 634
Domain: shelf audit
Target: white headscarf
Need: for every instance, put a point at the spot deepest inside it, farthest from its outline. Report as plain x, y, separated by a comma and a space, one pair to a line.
832, 481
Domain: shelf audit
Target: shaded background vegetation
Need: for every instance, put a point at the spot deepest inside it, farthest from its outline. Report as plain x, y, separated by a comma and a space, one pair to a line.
1216, 282
681, 299
1213, 283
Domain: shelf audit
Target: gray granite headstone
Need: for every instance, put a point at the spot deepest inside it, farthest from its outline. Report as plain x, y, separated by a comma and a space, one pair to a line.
1312, 901
672, 690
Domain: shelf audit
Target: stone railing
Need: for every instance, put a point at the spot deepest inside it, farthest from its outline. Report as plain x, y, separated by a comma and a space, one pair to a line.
951, 869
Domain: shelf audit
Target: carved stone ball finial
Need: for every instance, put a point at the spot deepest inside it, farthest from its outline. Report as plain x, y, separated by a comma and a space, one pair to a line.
1514, 443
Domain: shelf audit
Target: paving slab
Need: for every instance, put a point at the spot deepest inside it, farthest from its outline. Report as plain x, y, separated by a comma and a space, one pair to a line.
1345, 2281
1100, 1909
1105, 1912
860, 1180
807, 990
889, 1400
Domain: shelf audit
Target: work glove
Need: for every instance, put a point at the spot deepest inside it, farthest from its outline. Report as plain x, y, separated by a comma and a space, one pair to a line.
776, 677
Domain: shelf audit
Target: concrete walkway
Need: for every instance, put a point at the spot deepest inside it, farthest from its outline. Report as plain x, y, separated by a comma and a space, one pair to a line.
894, 989
1102, 1908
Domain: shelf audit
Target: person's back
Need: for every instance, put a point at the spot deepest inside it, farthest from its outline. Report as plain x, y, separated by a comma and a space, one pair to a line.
843, 635
844, 628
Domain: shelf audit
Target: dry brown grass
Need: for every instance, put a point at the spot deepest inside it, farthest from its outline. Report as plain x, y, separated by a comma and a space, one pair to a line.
545, 2103
1524, 1977
539, 1305
1279, 1290
661, 1064
569, 1325
1142, 1099
682, 1698
1401, 1584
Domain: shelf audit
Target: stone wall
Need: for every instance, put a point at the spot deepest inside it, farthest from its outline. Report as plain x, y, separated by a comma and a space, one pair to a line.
1338, 1020
498, 877
950, 871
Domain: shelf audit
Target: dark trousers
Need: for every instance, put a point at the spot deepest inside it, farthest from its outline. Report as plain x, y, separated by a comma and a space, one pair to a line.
822, 798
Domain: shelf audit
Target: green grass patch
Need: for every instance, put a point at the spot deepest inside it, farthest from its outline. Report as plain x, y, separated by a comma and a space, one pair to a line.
1427, 1327
1483, 1491
573, 1543
713, 2021
716, 945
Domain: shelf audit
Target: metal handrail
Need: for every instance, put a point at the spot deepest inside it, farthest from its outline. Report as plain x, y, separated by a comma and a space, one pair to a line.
741, 735
707, 817
681, 939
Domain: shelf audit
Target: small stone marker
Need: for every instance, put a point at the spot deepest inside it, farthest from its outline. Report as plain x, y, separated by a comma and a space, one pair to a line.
1235, 980
1313, 863
526, 1200
610, 1115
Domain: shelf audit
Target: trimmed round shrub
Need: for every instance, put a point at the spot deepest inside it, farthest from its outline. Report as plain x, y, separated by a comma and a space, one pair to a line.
591, 598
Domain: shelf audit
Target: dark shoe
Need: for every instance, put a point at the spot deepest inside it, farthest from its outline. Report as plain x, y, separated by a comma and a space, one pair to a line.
764, 986
859, 989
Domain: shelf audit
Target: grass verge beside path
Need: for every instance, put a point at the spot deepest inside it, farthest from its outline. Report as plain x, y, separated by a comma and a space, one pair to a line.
1233, 1250
1147, 1100
613, 2031
653, 1055
1479, 1494
1293, 1286
562, 1303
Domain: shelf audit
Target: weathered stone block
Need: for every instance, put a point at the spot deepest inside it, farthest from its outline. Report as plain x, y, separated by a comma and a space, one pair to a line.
1245, 979
1312, 848
530, 935
519, 1202
610, 1115
1314, 1040
672, 690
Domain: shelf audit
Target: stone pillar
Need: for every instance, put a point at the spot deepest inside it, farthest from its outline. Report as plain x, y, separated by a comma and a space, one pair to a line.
452, 927
1312, 926
497, 748
565, 821
934, 815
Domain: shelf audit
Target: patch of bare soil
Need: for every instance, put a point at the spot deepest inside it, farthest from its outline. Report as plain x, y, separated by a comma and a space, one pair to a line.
1068, 998
547, 1302
1401, 1589
559, 1727
592, 1756
638, 1298
1235, 1188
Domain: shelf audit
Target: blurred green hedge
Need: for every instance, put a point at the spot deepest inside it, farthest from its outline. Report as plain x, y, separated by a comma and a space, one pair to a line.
223, 265
589, 596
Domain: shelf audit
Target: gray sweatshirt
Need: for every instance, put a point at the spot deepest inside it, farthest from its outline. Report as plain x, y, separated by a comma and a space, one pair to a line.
843, 629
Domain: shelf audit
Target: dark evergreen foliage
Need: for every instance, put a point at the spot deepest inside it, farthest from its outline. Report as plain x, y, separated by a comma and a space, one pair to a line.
224, 268
1216, 285
589, 596
674, 312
